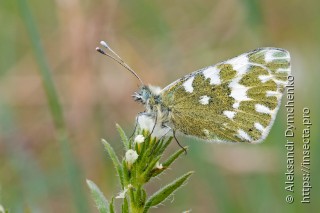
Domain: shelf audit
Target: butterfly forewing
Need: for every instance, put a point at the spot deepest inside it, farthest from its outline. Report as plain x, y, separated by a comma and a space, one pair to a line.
233, 101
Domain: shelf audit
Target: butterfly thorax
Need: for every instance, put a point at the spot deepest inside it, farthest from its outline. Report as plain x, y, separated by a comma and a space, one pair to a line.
151, 98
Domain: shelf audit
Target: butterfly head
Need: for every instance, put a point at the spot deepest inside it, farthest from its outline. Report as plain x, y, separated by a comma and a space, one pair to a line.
147, 95
142, 95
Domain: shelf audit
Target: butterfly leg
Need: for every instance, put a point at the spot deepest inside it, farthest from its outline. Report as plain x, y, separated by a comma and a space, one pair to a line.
136, 124
174, 135
155, 123
150, 120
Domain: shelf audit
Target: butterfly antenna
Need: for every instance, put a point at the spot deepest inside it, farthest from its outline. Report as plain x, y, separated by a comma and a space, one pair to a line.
116, 58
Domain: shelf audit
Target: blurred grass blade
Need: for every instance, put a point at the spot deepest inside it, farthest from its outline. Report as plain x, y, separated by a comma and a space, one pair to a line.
115, 160
74, 176
44, 70
101, 202
123, 136
165, 192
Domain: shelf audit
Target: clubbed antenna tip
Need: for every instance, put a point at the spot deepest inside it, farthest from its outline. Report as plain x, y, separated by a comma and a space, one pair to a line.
104, 44
100, 50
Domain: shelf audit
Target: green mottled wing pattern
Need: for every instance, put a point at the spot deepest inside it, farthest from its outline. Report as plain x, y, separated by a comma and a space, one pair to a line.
233, 101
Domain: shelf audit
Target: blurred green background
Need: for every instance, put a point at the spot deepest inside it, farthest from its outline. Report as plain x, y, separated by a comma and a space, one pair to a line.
58, 97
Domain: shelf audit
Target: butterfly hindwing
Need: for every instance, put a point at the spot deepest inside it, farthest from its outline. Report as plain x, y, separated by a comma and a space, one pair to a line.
233, 101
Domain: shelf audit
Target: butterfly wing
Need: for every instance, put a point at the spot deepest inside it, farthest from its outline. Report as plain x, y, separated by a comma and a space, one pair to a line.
233, 101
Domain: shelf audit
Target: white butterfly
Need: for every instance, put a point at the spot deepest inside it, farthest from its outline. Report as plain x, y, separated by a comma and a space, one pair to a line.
233, 101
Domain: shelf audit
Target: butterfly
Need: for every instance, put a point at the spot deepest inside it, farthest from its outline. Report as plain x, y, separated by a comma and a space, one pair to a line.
232, 101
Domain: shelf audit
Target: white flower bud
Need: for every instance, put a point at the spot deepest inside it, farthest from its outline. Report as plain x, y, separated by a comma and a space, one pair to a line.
131, 156
139, 139
159, 165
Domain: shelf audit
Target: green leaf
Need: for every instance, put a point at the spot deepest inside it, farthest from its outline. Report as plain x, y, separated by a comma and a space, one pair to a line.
155, 147
165, 145
126, 173
98, 197
144, 195
173, 157
166, 191
111, 207
125, 206
140, 197
147, 174
169, 161
123, 136
147, 148
115, 160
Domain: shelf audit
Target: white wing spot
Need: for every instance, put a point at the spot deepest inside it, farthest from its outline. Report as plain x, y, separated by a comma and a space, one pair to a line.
236, 105
240, 63
265, 78
259, 127
283, 70
243, 135
279, 82
238, 91
269, 57
229, 114
213, 74
188, 85
273, 93
263, 109
204, 100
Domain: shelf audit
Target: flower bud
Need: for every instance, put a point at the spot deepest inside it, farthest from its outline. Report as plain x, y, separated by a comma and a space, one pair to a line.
139, 139
159, 165
130, 157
